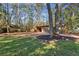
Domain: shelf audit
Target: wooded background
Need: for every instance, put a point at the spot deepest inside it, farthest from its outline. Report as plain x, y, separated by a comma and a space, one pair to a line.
25, 17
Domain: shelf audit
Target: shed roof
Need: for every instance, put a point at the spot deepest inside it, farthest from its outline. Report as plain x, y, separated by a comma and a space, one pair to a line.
43, 26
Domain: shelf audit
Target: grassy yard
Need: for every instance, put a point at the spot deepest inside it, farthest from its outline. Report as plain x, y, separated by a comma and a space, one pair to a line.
26, 46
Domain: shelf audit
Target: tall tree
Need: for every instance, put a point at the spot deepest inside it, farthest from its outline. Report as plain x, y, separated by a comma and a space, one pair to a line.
56, 18
50, 19
38, 9
7, 18
17, 14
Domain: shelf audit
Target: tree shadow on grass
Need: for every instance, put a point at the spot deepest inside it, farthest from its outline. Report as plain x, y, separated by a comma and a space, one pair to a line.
65, 46
56, 37
21, 46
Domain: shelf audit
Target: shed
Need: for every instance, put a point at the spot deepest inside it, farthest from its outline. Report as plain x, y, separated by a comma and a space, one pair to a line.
44, 28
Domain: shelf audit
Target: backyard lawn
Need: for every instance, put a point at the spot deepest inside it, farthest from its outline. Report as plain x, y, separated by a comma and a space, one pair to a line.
31, 46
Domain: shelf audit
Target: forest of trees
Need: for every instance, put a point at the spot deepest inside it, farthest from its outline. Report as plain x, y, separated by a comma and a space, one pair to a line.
21, 17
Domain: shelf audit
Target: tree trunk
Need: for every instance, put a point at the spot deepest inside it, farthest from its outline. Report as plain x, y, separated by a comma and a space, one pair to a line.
56, 19
70, 21
17, 15
7, 18
50, 19
60, 18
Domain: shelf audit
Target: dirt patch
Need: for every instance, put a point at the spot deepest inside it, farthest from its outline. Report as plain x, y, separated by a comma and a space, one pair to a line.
24, 34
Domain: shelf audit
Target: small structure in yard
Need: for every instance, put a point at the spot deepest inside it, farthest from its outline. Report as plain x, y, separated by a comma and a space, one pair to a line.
44, 28
12, 28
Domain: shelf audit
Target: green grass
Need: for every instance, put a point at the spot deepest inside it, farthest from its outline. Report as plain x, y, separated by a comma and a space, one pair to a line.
30, 46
